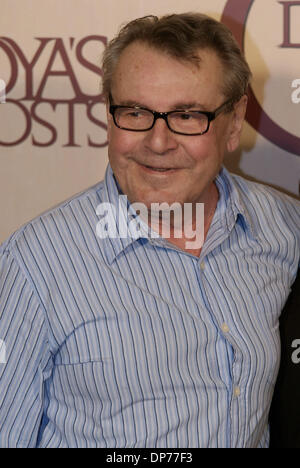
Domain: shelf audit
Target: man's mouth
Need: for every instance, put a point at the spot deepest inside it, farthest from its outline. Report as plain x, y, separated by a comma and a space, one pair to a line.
158, 169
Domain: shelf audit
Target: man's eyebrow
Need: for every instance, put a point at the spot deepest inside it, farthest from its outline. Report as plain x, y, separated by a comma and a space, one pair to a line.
130, 103
176, 106
189, 105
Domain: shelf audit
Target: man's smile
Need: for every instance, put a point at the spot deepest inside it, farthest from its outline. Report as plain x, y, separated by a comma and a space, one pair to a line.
158, 170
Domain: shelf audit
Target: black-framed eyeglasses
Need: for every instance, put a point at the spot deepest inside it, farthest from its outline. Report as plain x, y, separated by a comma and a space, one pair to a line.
183, 122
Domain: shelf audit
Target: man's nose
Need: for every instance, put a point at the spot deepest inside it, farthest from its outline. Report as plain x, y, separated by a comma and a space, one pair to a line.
160, 139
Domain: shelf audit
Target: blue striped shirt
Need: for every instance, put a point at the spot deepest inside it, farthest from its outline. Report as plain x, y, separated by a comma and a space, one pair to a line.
123, 342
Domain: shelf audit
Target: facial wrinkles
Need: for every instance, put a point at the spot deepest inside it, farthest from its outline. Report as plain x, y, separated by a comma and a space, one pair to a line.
159, 83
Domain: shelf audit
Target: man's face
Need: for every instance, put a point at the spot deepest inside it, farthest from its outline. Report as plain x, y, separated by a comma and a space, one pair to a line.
151, 79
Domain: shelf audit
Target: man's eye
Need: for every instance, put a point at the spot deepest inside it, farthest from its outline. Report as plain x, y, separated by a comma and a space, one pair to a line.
186, 116
189, 116
130, 113
134, 113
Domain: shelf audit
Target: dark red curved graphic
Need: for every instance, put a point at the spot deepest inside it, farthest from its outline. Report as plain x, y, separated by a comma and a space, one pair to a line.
235, 16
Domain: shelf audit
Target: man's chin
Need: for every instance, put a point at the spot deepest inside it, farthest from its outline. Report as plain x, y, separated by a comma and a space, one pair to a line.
156, 201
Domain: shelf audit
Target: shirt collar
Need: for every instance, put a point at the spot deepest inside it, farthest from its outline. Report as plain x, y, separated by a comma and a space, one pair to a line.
232, 203
125, 226
129, 228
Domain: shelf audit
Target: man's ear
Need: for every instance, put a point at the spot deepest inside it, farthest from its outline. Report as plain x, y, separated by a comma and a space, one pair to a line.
235, 130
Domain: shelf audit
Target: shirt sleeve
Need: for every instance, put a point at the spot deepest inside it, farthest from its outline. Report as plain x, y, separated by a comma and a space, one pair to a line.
25, 358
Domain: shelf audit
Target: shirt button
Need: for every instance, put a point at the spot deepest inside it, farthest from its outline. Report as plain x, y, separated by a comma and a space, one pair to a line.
202, 265
225, 328
237, 391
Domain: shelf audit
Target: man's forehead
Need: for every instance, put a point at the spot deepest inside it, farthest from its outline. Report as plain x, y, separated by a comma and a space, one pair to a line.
138, 57
137, 53
143, 68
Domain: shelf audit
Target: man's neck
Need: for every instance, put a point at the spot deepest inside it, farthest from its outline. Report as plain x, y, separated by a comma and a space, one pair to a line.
182, 236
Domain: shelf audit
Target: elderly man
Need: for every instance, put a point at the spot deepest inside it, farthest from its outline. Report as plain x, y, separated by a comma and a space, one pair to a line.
148, 338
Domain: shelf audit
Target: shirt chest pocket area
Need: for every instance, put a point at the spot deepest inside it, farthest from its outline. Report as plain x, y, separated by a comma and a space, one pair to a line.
86, 344
81, 365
